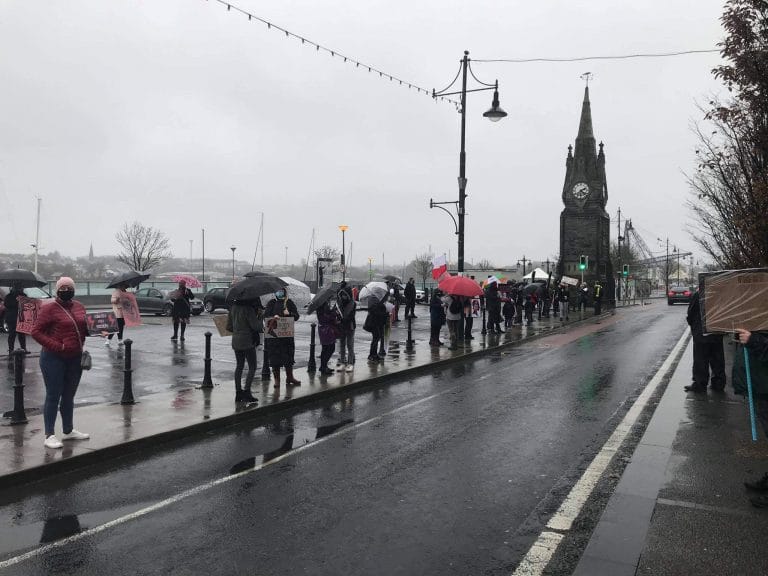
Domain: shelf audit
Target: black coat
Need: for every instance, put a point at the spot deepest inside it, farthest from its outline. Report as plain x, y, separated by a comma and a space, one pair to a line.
410, 293
693, 317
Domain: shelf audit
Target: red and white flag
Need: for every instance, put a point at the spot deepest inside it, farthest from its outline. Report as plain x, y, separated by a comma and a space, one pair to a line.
439, 266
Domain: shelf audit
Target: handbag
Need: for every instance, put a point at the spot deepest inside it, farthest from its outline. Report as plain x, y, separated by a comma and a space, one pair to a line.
86, 362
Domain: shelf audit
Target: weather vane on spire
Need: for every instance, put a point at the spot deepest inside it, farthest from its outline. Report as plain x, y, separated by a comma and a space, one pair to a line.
587, 76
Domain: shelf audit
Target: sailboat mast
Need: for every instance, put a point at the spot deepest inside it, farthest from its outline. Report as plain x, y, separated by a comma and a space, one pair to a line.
37, 233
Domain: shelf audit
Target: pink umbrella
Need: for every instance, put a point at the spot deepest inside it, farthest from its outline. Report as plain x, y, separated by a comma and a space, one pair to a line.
190, 281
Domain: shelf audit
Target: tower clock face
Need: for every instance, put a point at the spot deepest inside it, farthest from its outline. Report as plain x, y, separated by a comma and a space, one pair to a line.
580, 190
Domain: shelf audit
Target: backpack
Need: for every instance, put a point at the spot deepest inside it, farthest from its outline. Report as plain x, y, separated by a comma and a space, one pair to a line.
455, 306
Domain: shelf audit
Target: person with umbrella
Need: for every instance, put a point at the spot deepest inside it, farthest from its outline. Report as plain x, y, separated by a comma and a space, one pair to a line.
245, 323
181, 309
347, 308
61, 329
375, 322
117, 308
436, 317
493, 305
410, 298
281, 350
328, 323
12, 316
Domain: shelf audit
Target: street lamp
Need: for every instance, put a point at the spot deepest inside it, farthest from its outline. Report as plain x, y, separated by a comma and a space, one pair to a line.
343, 228
494, 114
523, 260
370, 269
233, 248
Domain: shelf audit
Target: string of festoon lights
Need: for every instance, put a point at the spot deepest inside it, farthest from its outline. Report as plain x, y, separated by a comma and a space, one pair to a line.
419, 90
336, 54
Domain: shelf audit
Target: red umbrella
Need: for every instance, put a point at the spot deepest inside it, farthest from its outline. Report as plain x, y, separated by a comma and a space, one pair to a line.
460, 286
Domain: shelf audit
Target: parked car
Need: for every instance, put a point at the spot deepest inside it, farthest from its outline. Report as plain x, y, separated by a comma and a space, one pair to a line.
156, 301
679, 294
419, 295
215, 298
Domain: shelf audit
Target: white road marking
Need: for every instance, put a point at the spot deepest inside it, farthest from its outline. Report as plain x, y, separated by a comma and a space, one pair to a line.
539, 555
206, 486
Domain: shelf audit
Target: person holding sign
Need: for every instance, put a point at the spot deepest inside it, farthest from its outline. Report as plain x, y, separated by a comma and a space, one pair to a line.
117, 308
279, 345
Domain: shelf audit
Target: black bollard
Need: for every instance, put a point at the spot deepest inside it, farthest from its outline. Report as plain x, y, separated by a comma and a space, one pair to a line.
207, 381
485, 330
128, 376
312, 365
19, 415
410, 341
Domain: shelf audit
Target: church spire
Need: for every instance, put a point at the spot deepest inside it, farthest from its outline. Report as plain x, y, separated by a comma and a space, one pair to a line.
585, 124
585, 140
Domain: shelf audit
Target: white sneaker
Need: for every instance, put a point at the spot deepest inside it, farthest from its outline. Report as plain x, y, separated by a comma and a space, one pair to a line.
340, 367
350, 367
106, 342
75, 435
53, 442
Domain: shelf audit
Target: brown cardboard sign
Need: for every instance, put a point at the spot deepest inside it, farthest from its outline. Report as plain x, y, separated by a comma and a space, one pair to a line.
733, 299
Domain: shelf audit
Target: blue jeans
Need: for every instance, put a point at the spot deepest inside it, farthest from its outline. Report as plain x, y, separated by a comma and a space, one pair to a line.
61, 376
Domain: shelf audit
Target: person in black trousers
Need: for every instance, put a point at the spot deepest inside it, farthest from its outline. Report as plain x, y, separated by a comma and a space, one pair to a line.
410, 298
707, 353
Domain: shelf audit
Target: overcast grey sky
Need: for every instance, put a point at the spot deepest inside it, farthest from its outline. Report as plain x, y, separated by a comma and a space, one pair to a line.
185, 116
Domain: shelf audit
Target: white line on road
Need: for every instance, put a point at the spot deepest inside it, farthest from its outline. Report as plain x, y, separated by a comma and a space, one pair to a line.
207, 486
539, 555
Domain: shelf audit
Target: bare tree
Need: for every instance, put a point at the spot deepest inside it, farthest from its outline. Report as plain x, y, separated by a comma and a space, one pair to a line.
422, 264
327, 251
143, 246
484, 264
730, 185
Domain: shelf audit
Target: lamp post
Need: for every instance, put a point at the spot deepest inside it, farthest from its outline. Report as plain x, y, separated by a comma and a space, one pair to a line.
495, 113
343, 229
370, 269
233, 248
523, 260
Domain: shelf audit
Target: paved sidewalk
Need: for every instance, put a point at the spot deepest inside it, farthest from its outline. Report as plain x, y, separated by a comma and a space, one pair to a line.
182, 408
680, 507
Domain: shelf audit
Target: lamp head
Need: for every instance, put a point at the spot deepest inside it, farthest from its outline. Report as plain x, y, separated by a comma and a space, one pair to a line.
495, 113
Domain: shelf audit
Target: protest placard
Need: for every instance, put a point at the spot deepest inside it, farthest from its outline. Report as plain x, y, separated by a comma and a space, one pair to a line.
101, 323
131, 313
733, 299
281, 327
220, 320
29, 308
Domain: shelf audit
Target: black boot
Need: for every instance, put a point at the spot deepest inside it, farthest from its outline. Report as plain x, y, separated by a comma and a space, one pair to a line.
246, 396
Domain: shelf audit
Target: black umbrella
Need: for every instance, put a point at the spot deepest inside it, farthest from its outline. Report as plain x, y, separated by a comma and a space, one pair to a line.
532, 287
21, 278
255, 284
323, 296
391, 278
131, 279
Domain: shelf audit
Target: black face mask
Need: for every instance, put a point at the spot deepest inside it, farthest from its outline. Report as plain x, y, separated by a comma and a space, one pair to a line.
65, 295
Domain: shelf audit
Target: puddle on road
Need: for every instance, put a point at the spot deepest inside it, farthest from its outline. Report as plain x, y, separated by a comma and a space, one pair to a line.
296, 438
16, 536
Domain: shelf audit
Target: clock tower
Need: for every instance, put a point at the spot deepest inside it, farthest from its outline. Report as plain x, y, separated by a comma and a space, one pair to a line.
584, 223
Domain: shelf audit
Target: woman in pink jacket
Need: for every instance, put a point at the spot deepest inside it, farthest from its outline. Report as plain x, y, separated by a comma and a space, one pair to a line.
61, 329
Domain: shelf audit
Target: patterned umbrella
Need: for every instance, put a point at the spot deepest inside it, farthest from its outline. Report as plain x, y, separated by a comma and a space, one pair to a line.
190, 281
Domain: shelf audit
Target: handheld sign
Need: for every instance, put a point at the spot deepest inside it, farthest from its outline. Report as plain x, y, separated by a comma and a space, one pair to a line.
29, 308
101, 323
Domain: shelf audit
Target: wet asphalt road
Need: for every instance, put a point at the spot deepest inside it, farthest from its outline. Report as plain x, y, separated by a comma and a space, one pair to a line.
434, 475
